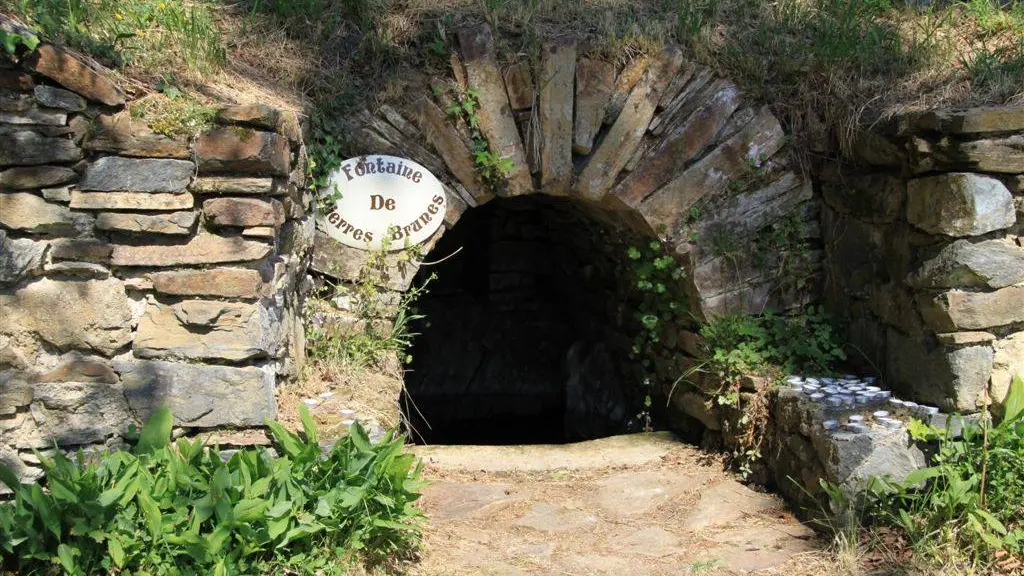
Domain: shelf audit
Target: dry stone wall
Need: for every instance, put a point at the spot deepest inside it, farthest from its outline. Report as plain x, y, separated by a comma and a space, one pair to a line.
140, 270
925, 256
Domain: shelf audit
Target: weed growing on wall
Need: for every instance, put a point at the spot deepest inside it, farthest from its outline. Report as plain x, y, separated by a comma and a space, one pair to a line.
490, 167
173, 111
182, 508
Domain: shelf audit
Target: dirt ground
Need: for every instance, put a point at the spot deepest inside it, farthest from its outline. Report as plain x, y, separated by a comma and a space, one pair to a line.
629, 505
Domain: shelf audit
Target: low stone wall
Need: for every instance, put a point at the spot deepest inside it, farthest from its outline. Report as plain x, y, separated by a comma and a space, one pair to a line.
138, 269
923, 235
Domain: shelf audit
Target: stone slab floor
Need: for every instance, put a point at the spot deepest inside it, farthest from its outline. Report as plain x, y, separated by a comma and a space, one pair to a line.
628, 505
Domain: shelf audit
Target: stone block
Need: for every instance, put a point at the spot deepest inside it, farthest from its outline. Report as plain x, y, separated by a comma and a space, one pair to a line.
83, 315
1002, 155
52, 97
625, 82
476, 44
202, 249
558, 71
519, 84
974, 120
952, 379
701, 407
174, 223
74, 413
114, 173
20, 258
956, 310
23, 148
254, 115
35, 177
35, 116
595, 80
243, 151
130, 201
217, 282
230, 185
959, 204
119, 134
15, 391
963, 264
207, 330
1007, 362
81, 249
199, 396
243, 212
446, 140
964, 338
680, 145
67, 70
31, 213
77, 368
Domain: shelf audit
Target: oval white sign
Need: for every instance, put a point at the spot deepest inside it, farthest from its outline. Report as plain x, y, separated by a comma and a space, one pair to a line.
386, 203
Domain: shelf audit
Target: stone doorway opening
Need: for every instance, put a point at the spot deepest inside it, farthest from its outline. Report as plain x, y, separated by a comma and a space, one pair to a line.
524, 338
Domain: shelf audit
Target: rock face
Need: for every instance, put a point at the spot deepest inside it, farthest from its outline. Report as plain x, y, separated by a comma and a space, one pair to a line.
85, 315
987, 264
952, 379
207, 330
959, 204
199, 396
114, 173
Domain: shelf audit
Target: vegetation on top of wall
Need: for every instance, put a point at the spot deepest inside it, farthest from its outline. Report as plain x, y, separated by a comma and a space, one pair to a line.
966, 511
181, 508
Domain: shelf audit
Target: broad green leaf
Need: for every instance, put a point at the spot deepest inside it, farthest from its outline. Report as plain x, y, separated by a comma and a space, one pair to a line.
1014, 407
66, 556
61, 492
218, 537
151, 511
308, 425
277, 527
116, 552
280, 508
288, 442
249, 510
156, 433
916, 477
9, 478
359, 437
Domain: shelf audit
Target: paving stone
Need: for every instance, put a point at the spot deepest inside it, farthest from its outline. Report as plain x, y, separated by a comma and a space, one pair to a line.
445, 139
31, 213
56, 98
757, 548
130, 201
956, 310
726, 503
628, 494
680, 145
218, 282
119, 134
174, 223
202, 249
24, 148
207, 330
555, 107
231, 185
476, 44
199, 396
546, 517
462, 500
595, 80
70, 72
986, 264
959, 204
243, 151
35, 177
651, 541
90, 315
668, 208
604, 165
255, 115
114, 173
243, 212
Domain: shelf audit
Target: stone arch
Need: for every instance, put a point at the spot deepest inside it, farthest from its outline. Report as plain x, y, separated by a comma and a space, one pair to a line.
662, 146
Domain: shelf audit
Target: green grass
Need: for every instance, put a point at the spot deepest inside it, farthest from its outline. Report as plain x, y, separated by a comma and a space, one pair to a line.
180, 508
155, 35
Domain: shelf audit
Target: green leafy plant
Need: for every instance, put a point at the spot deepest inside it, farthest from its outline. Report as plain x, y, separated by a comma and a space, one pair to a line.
183, 508
490, 166
11, 41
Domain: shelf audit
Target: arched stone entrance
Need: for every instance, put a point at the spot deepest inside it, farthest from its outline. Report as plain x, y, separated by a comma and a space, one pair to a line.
659, 148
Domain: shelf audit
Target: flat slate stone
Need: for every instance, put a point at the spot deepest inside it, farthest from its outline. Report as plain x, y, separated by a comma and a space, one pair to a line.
206, 330
959, 204
56, 98
519, 83
68, 71
956, 310
20, 258
951, 379
81, 249
175, 223
24, 148
243, 212
595, 80
624, 84
217, 282
680, 145
118, 134
202, 249
495, 114
199, 396
686, 99
114, 173
232, 185
243, 151
36, 115
35, 177
446, 140
558, 69
974, 120
1003, 155
987, 264
255, 115
668, 208
130, 201
31, 213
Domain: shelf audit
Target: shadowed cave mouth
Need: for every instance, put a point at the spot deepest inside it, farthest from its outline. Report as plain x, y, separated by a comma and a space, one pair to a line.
524, 337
